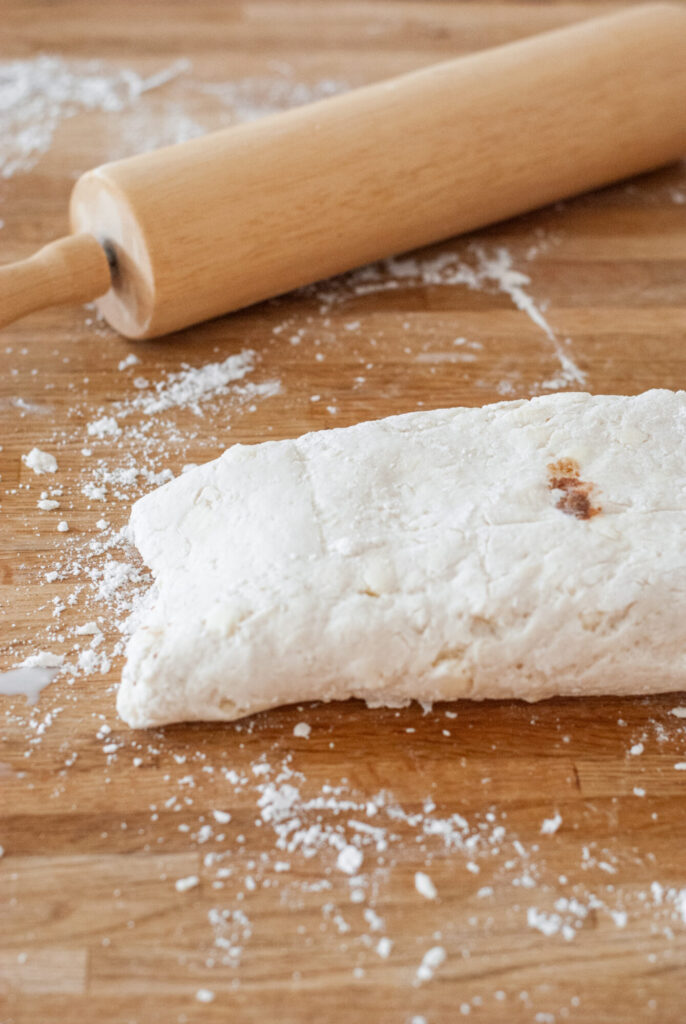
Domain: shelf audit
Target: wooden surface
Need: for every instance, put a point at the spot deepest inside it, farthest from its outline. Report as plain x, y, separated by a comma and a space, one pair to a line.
97, 826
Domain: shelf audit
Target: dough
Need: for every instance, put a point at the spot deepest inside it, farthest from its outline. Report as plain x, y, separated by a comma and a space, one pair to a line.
524, 549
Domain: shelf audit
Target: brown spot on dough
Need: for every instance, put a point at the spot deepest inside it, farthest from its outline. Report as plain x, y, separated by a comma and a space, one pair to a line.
575, 500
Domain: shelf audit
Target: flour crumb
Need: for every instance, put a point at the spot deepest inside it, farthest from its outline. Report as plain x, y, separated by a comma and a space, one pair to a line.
432, 960
88, 629
130, 360
384, 947
567, 918
62, 526
680, 766
551, 825
547, 924
424, 886
678, 712
44, 659
47, 504
94, 492
184, 884
349, 860
302, 730
204, 995
40, 462
221, 817
637, 749
106, 426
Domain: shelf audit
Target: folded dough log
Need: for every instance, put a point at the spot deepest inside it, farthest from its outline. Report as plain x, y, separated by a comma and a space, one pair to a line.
524, 549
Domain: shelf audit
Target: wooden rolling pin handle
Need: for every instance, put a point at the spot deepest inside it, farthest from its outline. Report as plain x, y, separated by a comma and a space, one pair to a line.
72, 269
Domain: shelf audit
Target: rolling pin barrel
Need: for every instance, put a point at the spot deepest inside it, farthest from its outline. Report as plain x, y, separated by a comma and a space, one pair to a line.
223, 221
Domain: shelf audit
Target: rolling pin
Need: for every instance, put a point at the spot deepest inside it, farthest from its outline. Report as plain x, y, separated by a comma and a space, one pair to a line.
188, 232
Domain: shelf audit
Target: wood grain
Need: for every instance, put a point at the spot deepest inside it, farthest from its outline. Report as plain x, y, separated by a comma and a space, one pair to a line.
92, 924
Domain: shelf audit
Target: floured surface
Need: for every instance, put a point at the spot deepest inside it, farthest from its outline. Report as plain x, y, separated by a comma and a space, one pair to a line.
99, 822
526, 549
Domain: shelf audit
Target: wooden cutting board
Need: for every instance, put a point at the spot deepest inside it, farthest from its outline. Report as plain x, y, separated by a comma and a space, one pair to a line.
553, 835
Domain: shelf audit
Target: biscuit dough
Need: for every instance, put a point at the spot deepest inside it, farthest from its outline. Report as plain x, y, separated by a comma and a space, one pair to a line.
524, 549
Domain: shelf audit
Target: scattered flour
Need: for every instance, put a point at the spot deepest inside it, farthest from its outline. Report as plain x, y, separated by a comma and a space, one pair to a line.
486, 270
192, 385
232, 930
549, 924
498, 268
38, 94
